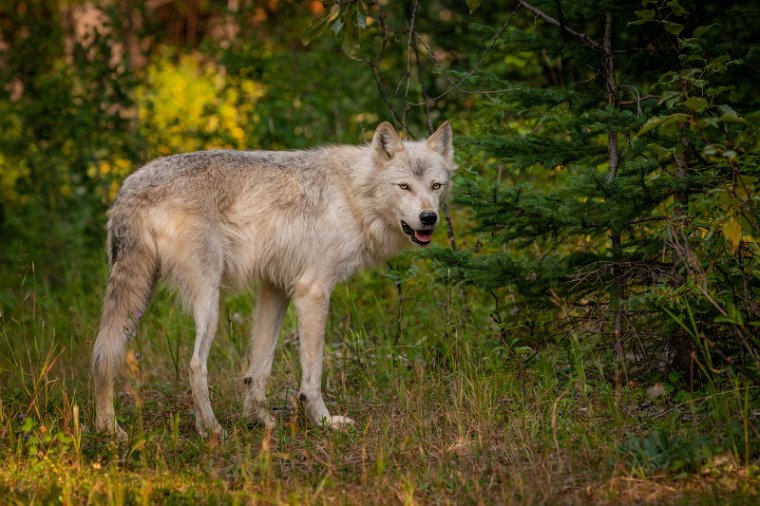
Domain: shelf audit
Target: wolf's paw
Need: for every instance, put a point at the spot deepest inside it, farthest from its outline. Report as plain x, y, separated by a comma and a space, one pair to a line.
112, 429
337, 422
267, 420
262, 416
215, 434
120, 433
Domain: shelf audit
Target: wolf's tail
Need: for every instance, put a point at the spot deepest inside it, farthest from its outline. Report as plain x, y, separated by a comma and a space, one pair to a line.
133, 267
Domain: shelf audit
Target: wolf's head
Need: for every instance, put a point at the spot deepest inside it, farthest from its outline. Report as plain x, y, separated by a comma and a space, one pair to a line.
413, 179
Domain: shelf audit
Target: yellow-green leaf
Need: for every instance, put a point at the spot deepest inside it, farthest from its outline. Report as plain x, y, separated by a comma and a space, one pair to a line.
732, 231
662, 121
472, 4
695, 103
674, 28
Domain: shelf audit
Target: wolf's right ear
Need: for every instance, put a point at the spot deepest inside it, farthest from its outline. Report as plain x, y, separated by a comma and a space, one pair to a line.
385, 143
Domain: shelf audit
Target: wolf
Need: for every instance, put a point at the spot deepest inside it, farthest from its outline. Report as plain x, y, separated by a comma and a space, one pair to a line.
291, 223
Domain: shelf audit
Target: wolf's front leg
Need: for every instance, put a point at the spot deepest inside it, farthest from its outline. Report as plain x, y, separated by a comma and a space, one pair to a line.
312, 302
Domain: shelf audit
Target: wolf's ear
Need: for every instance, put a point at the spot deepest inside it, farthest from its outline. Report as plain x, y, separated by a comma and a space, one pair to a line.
385, 143
442, 142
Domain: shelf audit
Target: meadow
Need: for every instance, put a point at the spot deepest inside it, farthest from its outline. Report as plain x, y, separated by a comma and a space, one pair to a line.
446, 413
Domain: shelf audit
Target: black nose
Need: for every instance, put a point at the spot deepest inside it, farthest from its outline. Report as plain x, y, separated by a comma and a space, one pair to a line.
428, 217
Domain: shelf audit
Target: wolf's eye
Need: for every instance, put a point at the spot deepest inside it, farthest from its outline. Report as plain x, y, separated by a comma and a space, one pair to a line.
437, 186
404, 186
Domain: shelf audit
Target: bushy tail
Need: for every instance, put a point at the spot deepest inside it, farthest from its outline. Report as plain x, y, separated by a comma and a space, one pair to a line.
134, 264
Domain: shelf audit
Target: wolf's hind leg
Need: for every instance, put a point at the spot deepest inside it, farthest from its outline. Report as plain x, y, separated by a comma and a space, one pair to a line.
206, 314
107, 357
105, 416
130, 284
271, 303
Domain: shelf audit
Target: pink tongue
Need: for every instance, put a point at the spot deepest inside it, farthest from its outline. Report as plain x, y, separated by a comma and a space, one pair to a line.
423, 236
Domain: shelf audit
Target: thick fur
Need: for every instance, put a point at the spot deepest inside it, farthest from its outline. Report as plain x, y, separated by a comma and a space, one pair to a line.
298, 222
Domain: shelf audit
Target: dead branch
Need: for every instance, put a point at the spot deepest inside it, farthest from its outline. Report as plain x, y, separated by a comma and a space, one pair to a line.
582, 36
408, 75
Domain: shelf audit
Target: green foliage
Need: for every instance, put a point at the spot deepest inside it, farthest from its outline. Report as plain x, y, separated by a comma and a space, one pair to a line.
662, 452
39, 442
673, 225
347, 21
64, 112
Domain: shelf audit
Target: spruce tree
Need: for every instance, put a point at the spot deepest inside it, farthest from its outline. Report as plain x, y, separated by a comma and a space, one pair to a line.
612, 169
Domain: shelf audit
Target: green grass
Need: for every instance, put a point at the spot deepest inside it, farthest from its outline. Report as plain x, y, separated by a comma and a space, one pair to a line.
447, 412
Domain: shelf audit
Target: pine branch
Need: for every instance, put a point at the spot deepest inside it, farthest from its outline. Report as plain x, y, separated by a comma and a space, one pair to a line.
612, 136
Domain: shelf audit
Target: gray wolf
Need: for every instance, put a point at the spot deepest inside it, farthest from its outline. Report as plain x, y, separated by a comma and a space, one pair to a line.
295, 222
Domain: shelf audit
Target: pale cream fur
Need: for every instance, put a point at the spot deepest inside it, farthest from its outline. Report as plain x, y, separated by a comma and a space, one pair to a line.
298, 222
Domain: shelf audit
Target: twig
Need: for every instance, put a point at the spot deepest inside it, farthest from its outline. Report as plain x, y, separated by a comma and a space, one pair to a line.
457, 85
408, 66
374, 65
449, 227
582, 36
609, 68
425, 96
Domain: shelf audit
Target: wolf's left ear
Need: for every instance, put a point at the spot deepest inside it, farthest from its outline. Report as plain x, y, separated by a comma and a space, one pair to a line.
442, 142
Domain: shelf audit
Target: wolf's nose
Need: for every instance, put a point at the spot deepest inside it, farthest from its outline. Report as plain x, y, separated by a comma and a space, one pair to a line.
428, 218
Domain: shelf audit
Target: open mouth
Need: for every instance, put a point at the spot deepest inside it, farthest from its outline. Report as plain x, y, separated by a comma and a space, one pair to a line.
421, 237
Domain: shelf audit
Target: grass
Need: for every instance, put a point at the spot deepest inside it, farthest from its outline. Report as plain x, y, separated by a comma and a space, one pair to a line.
447, 412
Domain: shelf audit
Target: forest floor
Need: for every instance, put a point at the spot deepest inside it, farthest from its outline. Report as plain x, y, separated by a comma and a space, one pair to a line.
446, 414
